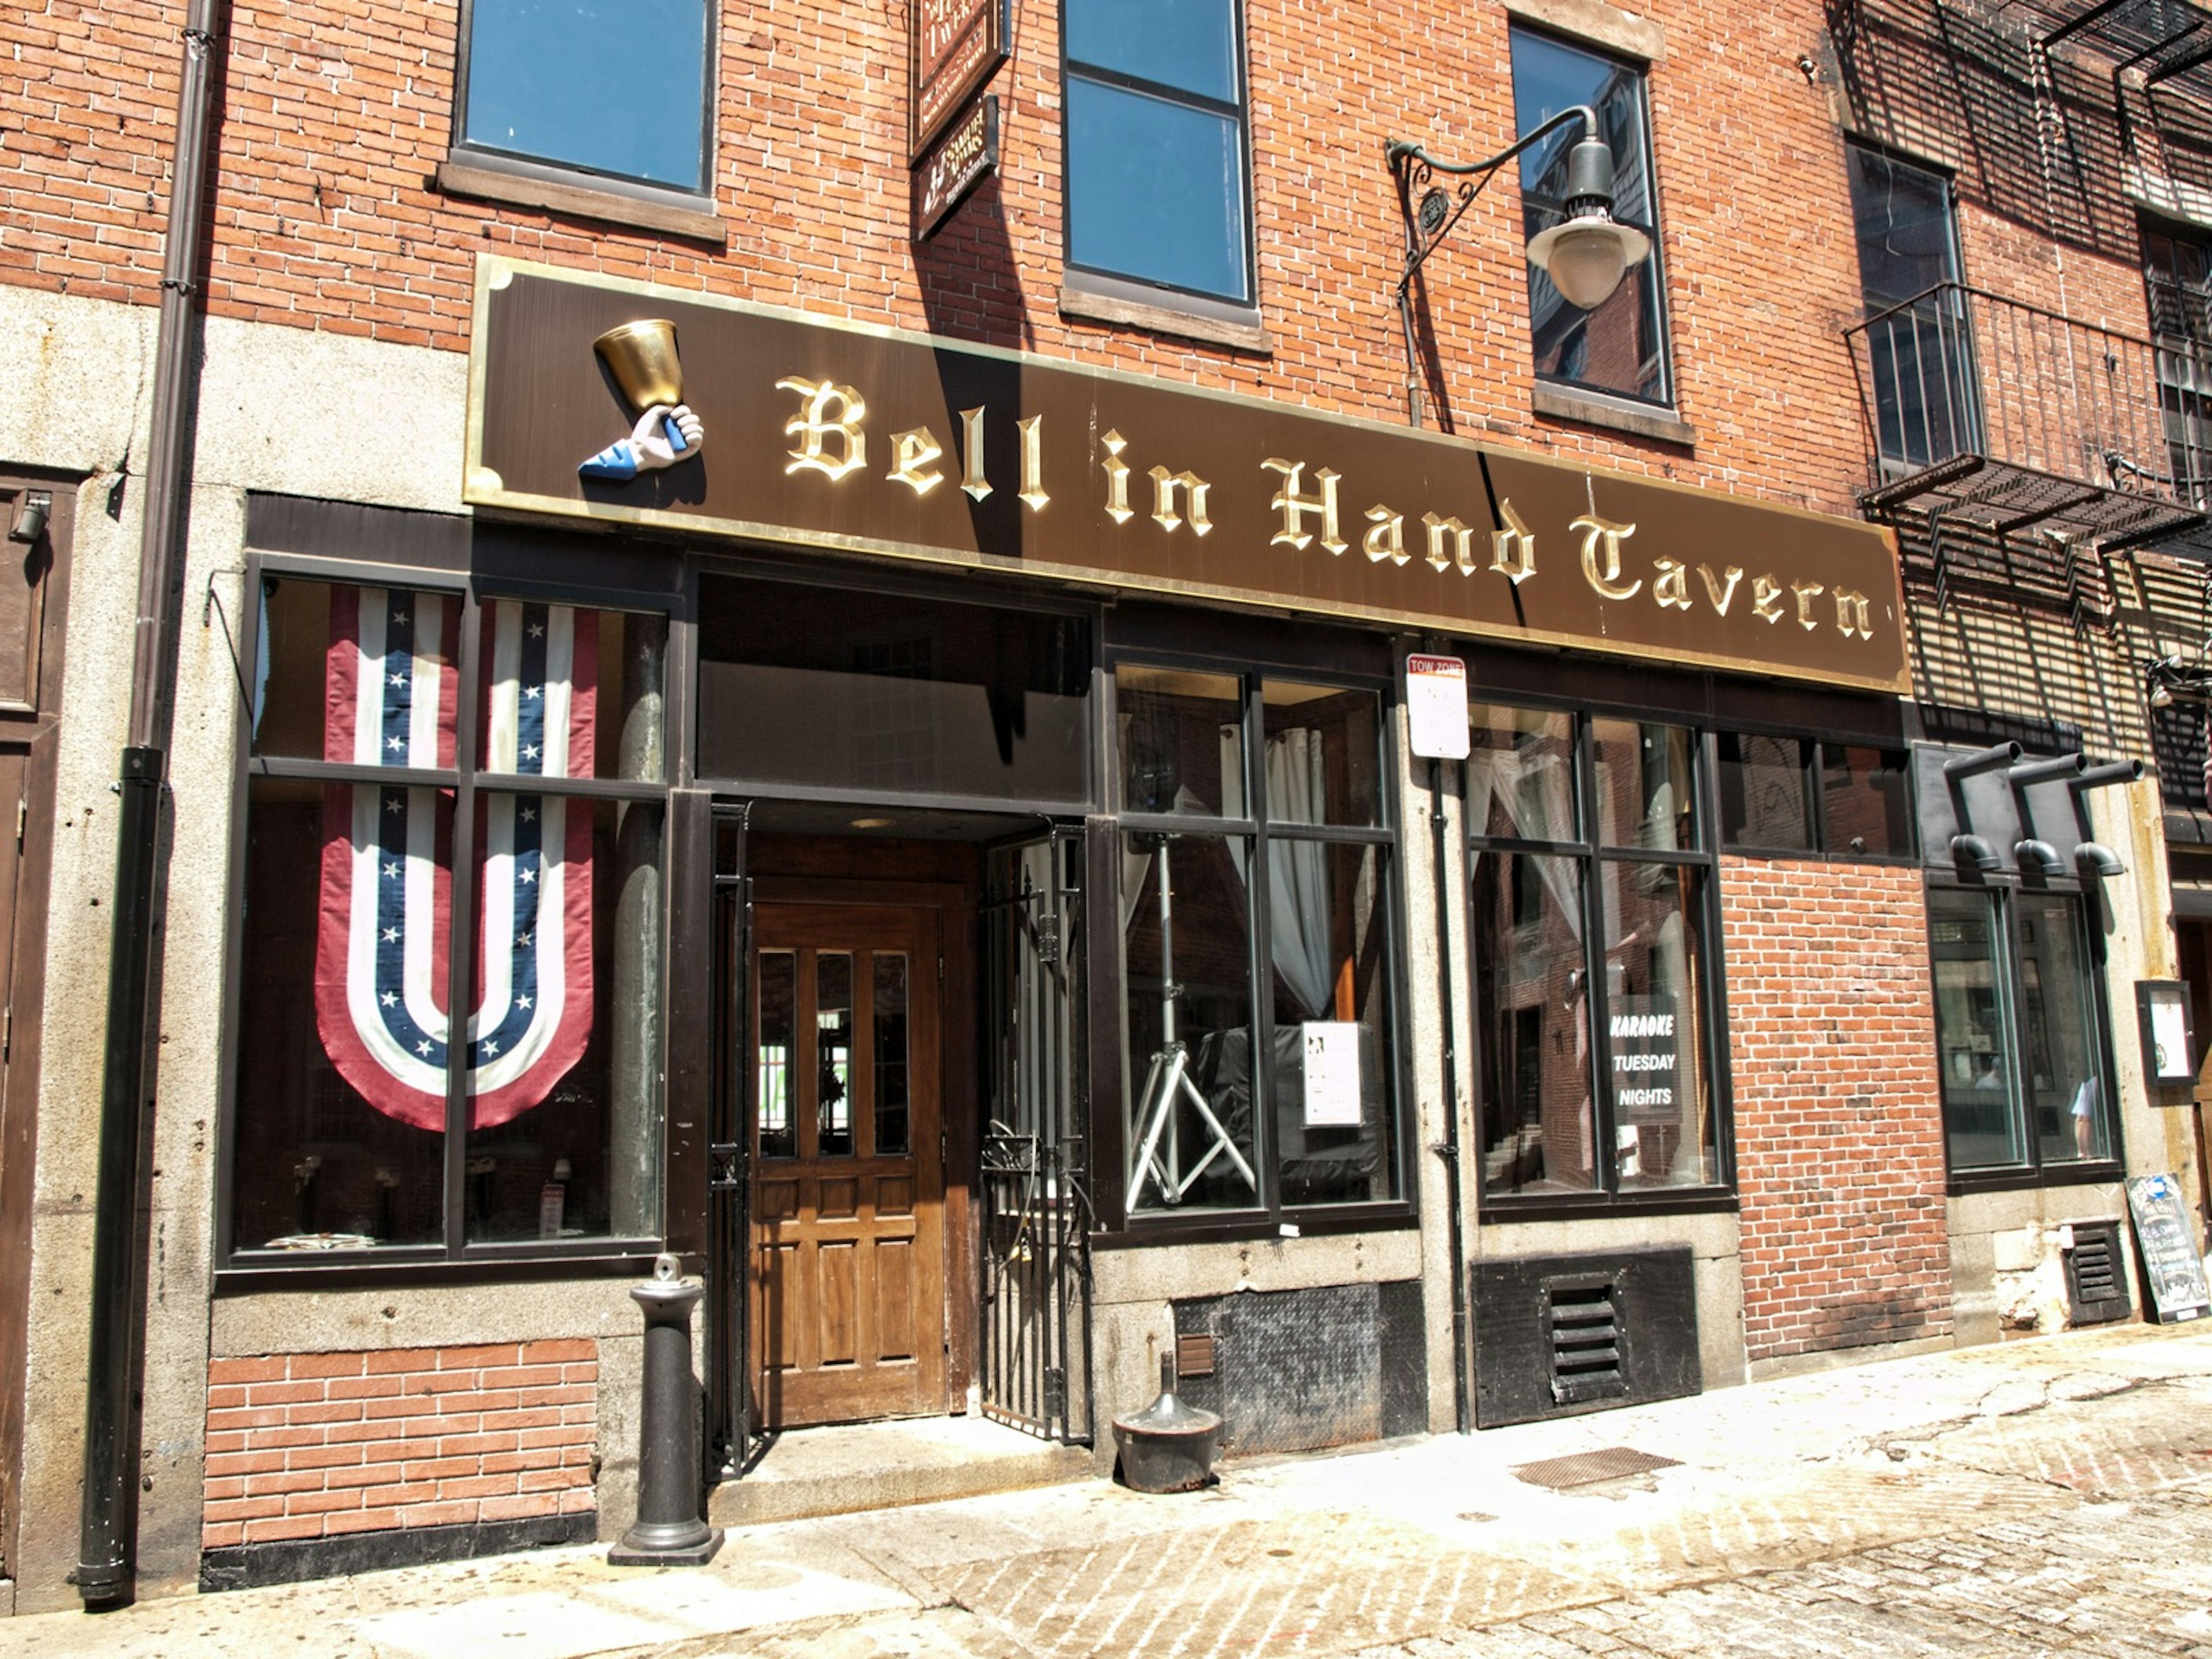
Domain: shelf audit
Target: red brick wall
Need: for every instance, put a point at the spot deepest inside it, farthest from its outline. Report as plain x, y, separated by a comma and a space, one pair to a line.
336, 113
308, 1445
1839, 1123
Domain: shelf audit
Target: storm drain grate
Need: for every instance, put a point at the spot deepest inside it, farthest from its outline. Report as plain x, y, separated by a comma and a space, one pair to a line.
1586, 1468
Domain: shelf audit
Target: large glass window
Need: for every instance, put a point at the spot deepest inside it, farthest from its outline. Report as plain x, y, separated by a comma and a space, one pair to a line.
1805, 795
1156, 177
1256, 931
445, 792
2020, 1031
1920, 367
612, 86
1621, 347
1593, 927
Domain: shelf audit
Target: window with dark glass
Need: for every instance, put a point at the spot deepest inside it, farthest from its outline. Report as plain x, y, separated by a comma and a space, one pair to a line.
1805, 795
1158, 182
448, 792
616, 88
880, 693
2020, 1031
1256, 916
1590, 883
1920, 362
2178, 285
1621, 347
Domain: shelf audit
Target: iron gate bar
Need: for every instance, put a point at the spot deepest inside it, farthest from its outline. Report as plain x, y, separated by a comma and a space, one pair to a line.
727, 1444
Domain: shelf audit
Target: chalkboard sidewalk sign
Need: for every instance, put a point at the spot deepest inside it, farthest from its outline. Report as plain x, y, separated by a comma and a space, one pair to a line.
2167, 1244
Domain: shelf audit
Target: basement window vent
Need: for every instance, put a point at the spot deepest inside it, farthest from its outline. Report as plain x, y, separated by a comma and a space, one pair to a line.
2096, 1285
1582, 1337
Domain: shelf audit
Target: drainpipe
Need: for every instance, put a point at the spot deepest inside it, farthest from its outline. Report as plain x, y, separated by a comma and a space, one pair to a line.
1447, 1148
107, 1543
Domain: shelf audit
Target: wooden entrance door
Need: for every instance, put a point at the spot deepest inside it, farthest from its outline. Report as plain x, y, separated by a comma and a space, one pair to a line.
847, 1280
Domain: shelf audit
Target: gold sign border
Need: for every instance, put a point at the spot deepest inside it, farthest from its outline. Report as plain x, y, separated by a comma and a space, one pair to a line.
484, 487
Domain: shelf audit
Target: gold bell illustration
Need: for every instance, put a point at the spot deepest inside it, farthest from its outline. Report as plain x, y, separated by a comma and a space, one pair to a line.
642, 356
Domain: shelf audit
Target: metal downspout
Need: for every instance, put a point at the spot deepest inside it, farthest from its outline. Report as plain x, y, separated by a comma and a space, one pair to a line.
106, 1541
1447, 1148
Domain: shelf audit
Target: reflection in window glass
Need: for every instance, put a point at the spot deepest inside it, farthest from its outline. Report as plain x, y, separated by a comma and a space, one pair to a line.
779, 1025
1621, 346
1531, 990
1978, 1120
1919, 349
1323, 755
583, 1160
1865, 795
1763, 801
1521, 774
612, 86
888, 1014
1182, 741
1645, 793
2058, 1023
1662, 1129
833, 1054
1189, 44
1187, 945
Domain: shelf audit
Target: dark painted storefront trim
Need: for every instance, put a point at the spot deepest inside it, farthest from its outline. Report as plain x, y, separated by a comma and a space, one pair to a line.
293, 1561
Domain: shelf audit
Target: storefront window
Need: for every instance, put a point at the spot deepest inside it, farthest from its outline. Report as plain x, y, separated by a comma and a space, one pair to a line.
2020, 1032
1593, 1082
352, 1068
1840, 801
1270, 1090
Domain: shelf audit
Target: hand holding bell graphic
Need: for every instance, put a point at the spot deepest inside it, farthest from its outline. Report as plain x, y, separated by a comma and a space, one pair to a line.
641, 357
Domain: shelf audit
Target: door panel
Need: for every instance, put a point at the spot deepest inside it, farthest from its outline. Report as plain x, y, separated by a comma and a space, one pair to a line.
849, 1250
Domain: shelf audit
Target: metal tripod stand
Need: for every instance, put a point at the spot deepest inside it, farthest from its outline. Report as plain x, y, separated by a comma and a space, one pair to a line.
1167, 1084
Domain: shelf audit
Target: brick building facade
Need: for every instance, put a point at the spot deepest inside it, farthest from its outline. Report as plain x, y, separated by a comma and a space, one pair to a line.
1001, 614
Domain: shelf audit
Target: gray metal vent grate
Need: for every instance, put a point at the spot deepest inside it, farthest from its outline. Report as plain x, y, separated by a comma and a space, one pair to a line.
2096, 1282
1583, 1340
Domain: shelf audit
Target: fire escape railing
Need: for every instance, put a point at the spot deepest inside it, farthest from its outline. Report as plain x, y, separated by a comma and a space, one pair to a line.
1985, 408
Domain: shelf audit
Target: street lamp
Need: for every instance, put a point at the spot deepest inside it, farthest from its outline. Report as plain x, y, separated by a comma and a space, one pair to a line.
1585, 255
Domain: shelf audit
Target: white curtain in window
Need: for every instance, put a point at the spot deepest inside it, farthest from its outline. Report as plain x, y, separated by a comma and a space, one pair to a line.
1536, 792
1297, 871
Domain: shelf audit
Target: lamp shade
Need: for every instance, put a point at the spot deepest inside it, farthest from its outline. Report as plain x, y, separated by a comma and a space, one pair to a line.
1586, 256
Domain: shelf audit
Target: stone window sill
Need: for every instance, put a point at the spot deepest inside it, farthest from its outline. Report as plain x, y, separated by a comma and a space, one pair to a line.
480, 180
1095, 304
1561, 403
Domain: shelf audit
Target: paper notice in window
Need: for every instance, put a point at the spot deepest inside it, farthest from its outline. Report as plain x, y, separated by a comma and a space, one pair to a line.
1332, 1055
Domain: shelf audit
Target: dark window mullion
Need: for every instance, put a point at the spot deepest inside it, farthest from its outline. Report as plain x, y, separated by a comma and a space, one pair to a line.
1123, 80
1256, 892
1596, 992
462, 887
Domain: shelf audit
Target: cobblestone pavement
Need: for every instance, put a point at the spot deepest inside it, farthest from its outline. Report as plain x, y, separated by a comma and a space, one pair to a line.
2038, 1498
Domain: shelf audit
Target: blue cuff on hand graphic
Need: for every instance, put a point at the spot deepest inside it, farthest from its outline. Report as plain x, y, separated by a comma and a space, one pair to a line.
665, 434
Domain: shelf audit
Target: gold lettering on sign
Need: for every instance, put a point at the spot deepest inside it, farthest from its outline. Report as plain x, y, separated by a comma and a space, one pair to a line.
1117, 477
815, 425
1807, 593
1604, 534
1766, 599
1853, 614
1386, 536
971, 453
1719, 594
1462, 552
1671, 587
912, 451
1164, 486
1294, 506
1032, 431
1512, 550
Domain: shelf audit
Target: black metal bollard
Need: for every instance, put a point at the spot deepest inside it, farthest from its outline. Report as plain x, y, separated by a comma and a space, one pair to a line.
669, 1531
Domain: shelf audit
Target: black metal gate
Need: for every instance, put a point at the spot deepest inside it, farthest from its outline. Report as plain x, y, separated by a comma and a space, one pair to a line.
1036, 1217
728, 1441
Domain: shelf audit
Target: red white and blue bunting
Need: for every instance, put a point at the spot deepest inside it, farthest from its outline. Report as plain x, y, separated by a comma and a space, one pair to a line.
381, 1001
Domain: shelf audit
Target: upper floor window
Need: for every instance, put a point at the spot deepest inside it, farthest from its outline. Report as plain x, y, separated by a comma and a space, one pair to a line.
2178, 287
1919, 369
1158, 183
1621, 347
617, 88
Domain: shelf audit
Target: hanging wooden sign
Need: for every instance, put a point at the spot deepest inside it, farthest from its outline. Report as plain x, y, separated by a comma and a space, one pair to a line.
954, 46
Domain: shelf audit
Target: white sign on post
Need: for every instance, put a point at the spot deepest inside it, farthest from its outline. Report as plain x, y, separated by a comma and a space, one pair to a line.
1436, 707
1332, 1051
